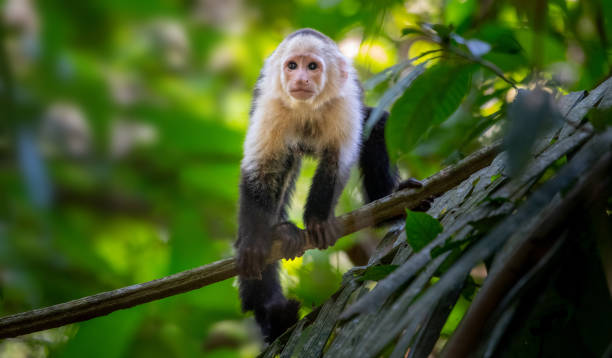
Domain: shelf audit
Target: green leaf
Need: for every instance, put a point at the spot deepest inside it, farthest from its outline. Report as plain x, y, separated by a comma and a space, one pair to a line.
421, 229
377, 273
430, 100
390, 95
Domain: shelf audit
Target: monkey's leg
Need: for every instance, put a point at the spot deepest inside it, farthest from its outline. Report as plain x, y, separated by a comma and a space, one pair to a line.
273, 312
262, 194
262, 200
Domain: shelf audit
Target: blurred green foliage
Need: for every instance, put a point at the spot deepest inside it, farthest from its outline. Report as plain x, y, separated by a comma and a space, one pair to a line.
122, 125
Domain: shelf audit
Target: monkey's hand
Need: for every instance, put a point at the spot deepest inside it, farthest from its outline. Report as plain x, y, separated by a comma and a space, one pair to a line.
251, 257
412, 183
322, 233
292, 242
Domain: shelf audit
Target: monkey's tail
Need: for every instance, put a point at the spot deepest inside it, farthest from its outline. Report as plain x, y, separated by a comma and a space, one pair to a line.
273, 312
379, 177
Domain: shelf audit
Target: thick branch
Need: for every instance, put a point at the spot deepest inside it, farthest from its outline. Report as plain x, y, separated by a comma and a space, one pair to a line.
106, 302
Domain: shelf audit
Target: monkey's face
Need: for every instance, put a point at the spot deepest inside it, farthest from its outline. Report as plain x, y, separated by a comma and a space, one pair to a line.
303, 75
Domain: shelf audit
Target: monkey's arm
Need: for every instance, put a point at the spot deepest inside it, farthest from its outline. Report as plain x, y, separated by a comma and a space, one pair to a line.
326, 187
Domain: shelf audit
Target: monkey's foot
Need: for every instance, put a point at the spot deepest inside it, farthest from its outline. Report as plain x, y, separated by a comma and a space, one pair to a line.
413, 183
280, 316
292, 241
322, 234
251, 258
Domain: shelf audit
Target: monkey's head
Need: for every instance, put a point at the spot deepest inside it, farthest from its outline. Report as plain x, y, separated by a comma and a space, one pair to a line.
303, 75
309, 67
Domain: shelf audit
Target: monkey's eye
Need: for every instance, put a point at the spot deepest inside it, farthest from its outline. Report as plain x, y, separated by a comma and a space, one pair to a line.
312, 66
292, 65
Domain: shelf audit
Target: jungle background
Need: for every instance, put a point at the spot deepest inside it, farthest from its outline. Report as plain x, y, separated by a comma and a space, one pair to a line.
121, 137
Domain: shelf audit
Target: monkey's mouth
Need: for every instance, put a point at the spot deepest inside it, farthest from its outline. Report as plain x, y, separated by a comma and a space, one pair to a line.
301, 93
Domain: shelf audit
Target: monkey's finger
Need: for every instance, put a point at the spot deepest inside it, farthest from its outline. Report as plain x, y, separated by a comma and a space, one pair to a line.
259, 260
323, 241
310, 235
288, 249
244, 268
334, 232
300, 243
243, 264
326, 234
285, 249
320, 237
296, 246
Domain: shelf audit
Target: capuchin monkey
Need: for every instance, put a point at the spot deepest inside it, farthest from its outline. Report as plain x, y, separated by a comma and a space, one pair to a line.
307, 101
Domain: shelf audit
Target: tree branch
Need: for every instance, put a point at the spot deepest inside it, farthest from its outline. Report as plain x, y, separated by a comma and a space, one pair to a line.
106, 302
